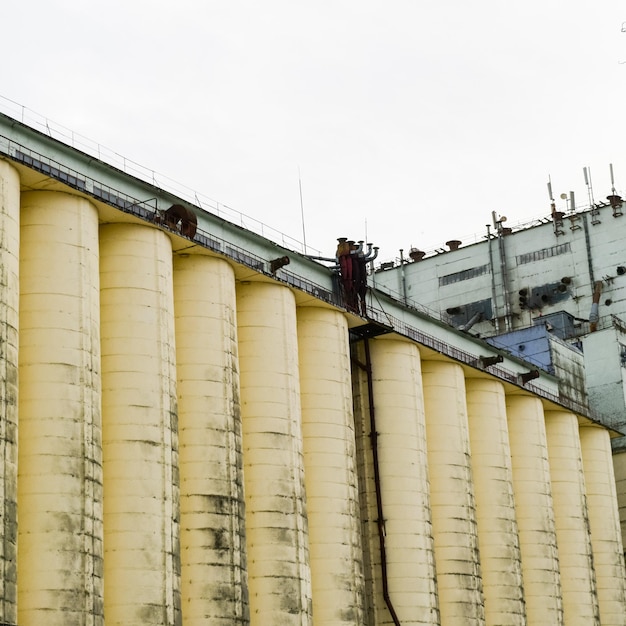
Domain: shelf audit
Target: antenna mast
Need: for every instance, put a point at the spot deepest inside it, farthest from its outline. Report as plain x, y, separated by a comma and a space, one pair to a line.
552, 203
302, 210
612, 179
587, 173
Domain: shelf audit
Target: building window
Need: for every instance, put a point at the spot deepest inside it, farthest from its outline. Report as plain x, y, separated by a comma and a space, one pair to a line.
544, 253
449, 279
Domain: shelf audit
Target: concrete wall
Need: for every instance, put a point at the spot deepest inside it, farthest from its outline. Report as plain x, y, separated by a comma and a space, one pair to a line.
534, 258
605, 374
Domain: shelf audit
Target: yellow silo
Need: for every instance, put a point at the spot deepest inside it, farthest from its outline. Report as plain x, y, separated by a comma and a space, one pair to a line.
534, 510
619, 468
578, 580
459, 581
9, 306
400, 444
279, 576
141, 564
329, 463
606, 540
212, 524
495, 506
60, 473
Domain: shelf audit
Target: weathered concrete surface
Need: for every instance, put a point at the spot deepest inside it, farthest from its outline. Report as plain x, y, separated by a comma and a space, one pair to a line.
214, 585
276, 523
60, 466
139, 425
9, 321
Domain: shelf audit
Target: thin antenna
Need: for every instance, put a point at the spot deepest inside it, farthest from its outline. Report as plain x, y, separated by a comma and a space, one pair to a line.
612, 179
587, 173
302, 211
552, 203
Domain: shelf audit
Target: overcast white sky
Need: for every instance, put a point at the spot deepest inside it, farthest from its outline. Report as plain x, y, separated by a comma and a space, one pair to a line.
407, 120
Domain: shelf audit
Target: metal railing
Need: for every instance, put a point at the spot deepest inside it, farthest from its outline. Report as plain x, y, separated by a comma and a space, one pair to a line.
146, 210
468, 358
67, 136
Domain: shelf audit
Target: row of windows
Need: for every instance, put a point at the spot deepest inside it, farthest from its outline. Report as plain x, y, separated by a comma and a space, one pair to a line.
528, 257
50, 170
544, 253
463, 275
240, 256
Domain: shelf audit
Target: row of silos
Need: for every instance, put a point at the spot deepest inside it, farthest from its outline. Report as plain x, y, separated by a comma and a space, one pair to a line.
516, 508
153, 394
187, 454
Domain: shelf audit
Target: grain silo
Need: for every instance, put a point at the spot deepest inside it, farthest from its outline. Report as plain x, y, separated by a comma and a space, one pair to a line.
198, 426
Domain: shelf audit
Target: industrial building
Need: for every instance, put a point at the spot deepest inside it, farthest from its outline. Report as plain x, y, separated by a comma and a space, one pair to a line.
547, 291
199, 427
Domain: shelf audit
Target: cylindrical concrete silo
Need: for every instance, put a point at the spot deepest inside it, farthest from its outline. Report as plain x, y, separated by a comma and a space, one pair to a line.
500, 559
368, 505
400, 439
329, 465
578, 580
141, 564
534, 510
212, 525
453, 507
9, 305
279, 576
619, 468
606, 540
60, 472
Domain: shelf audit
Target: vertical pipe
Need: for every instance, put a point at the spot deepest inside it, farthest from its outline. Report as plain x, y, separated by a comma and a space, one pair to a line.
399, 434
378, 613
592, 280
140, 447
329, 464
606, 540
498, 537
212, 524
369, 494
9, 305
276, 525
493, 282
535, 512
59, 461
459, 581
578, 581
403, 277
505, 280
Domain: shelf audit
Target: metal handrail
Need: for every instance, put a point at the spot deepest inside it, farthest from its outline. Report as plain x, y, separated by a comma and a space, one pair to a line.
67, 136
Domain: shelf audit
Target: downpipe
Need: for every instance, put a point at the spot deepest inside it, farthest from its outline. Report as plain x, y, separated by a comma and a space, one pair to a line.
367, 367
